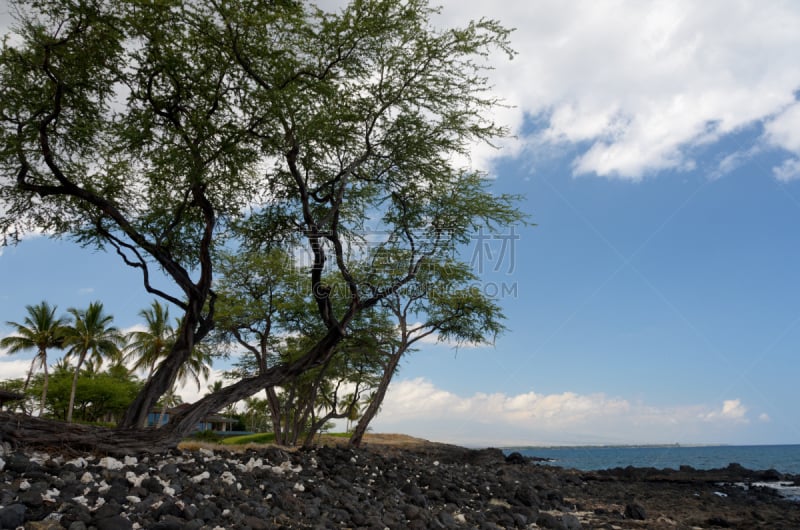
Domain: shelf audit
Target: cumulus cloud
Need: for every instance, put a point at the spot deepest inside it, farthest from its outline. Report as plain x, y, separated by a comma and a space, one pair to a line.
418, 407
732, 409
190, 391
637, 85
14, 369
789, 170
784, 130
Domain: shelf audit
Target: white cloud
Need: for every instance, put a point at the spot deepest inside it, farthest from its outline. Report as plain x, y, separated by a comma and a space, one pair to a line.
764, 418
784, 130
732, 409
733, 161
640, 83
419, 408
14, 369
789, 170
190, 393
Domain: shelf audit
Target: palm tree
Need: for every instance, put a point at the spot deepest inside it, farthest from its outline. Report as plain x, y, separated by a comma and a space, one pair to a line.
353, 412
215, 387
169, 400
148, 347
196, 366
90, 335
40, 331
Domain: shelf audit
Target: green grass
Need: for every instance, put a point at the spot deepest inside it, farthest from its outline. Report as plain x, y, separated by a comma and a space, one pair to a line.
267, 438
258, 438
338, 434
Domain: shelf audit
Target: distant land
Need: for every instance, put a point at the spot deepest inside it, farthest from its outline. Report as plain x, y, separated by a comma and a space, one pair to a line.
618, 446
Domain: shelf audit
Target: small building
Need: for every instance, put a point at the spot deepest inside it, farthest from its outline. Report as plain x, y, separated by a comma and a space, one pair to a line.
214, 422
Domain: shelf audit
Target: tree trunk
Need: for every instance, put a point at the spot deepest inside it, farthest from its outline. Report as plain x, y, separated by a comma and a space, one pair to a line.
44, 391
185, 422
161, 416
318, 424
29, 431
377, 400
275, 412
26, 384
74, 387
161, 381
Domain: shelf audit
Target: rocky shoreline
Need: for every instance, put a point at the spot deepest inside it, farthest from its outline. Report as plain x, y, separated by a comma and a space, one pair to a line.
433, 486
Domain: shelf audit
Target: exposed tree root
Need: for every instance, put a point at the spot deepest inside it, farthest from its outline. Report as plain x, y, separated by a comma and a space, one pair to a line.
30, 432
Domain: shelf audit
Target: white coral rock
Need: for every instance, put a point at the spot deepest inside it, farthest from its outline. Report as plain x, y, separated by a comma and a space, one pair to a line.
109, 462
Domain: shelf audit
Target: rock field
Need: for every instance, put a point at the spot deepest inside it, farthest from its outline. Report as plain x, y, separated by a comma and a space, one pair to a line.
432, 486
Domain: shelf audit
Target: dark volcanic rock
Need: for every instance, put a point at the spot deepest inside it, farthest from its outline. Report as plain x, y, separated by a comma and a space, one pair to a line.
12, 516
116, 522
635, 511
434, 486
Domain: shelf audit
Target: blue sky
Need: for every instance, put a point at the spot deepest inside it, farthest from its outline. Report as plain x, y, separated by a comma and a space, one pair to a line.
658, 297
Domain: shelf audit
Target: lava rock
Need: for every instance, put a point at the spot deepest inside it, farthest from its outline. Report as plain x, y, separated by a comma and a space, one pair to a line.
516, 458
635, 512
12, 516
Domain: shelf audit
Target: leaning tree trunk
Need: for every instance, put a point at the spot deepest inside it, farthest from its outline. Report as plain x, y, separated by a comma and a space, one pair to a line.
377, 399
74, 388
27, 383
318, 424
36, 432
161, 381
185, 422
44, 391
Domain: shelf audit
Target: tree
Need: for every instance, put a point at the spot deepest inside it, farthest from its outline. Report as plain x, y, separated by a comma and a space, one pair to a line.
100, 397
450, 308
15, 386
91, 338
197, 367
347, 116
257, 416
263, 308
149, 346
168, 400
40, 331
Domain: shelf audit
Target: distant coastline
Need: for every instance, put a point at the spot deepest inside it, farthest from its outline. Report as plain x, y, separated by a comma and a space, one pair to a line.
784, 458
623, 446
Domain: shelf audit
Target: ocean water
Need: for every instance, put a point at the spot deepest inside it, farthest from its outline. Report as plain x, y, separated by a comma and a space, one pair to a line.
783, 458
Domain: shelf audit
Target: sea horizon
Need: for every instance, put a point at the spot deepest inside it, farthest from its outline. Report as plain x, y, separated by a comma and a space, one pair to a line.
784, 458
637, 445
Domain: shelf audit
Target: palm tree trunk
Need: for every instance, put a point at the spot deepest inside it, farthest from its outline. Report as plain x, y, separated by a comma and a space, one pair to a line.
74, 387
161, 380
161, 416
30, 374
44, 391
27, 382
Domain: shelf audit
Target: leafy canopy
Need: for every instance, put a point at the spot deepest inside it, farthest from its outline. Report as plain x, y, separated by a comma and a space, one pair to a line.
165, 131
